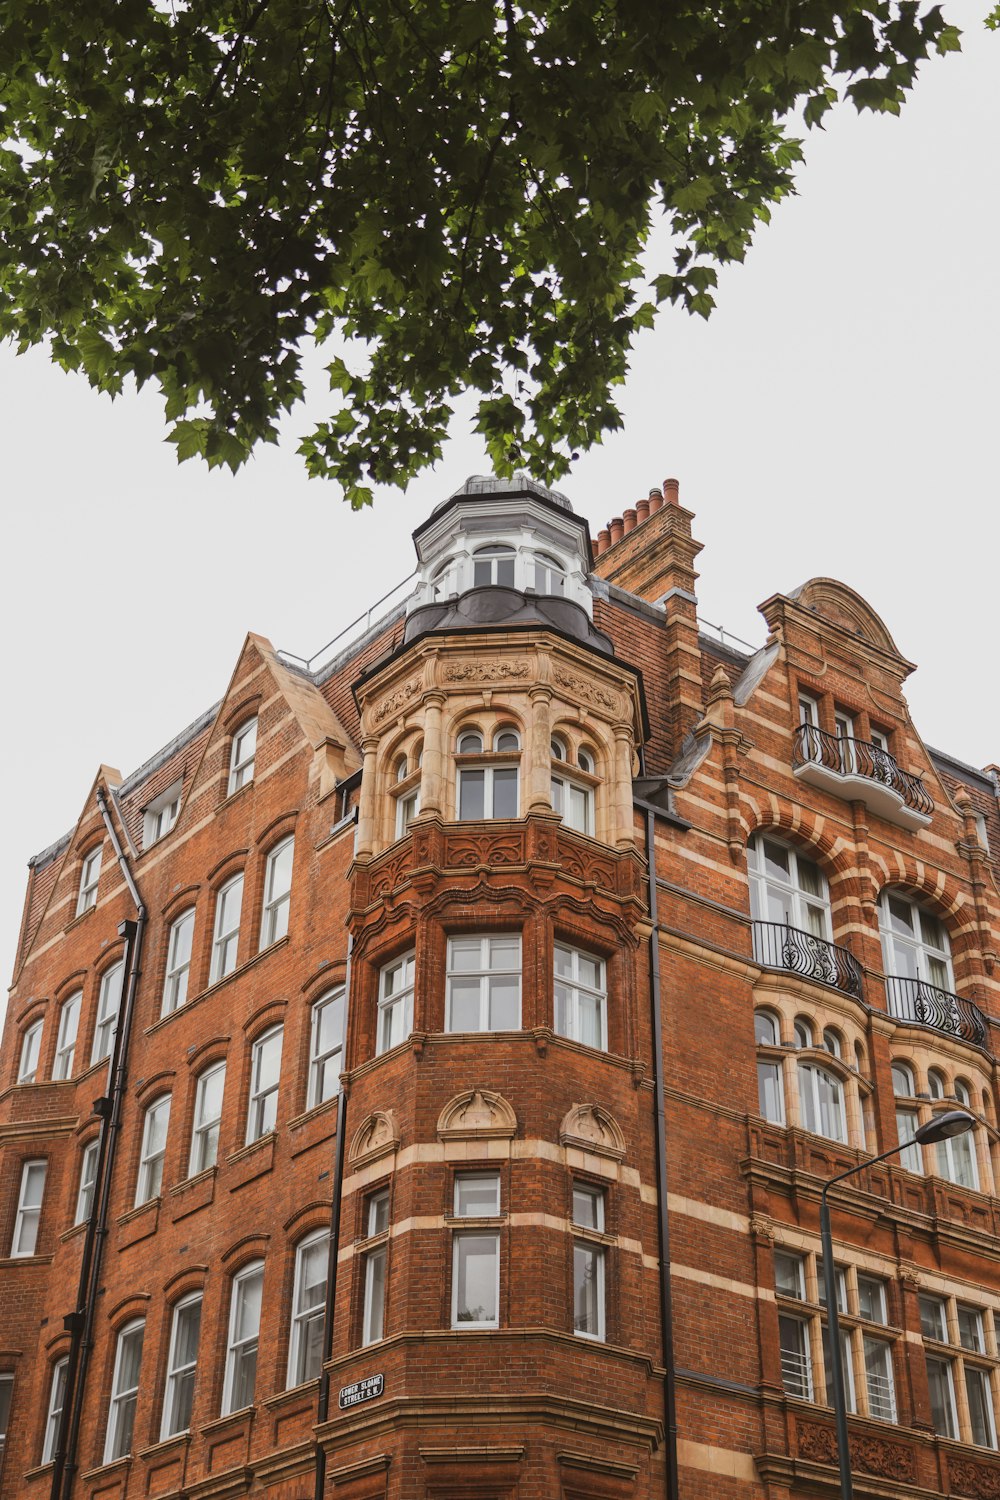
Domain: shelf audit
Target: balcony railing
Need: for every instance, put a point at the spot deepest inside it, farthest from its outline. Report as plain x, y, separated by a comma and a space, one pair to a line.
916, 1000
857, 768
778, 946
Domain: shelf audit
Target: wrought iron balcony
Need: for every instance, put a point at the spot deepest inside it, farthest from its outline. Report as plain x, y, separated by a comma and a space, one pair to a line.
778, 946
925, 1005
859, 770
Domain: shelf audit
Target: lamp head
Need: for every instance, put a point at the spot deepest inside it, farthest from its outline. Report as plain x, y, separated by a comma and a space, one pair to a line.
942, 1127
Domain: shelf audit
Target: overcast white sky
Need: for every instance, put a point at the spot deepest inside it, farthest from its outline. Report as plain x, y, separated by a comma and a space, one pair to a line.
836, 415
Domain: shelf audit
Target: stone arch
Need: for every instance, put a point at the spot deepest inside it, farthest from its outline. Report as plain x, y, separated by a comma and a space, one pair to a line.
478, 1114
592, 1129
834, 601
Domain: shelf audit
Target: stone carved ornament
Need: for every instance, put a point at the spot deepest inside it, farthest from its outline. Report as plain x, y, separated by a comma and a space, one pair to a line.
484, 671
591, 1128
376, 1136
591, 692
397, 701
478, 1112
977, 1480
870, 1455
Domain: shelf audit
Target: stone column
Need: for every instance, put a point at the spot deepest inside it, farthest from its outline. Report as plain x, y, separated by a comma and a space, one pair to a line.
540, 742
433, 765
367, 831
622, 821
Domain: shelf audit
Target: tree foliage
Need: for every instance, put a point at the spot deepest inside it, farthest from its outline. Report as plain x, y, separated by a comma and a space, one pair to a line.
456, 192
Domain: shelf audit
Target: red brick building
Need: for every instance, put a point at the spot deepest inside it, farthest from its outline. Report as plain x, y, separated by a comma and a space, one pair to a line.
531, 965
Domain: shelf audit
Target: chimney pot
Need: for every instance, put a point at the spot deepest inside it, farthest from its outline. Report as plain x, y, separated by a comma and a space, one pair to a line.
641, 512
671, 488
615, 526
628, 518
655, 502
603, 541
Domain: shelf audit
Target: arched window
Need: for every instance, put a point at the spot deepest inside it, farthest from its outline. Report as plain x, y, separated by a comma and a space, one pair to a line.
444, 584
955, 1160
402, 768
572, 799
860, 1058
31, 1046
962, 1094
821, 1101
767, 1029
69, 1028
242, 756
493, 565
489, 790
832, 1041
245, 1305
914, 943
803, 1032
305, 1346
550, 577
935, 1084
902, 1081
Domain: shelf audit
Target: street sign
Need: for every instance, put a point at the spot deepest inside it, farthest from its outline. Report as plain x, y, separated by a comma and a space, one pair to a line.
361, 1390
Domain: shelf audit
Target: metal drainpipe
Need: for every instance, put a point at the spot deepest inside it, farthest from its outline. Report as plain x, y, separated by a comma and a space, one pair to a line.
80, 1322
666, 1312
323, 1405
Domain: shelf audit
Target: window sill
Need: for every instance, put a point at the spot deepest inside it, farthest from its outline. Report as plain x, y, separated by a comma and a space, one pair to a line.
191, 1194
291, 1394
9, 1261
73, 1231
175, 1440
229, 1419
253, 1161
231, 797
80, 916
110, 1469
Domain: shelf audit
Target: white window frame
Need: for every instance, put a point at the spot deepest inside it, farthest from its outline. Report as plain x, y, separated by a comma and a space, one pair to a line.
488, 769
797, 1376
376, 1267
797, 907
161, 814
469, 1212
237, 1348
886, 1396
179, 1373
53, 1416
88, 1182
67, 1036
592, 1252
574, 803
149, 1180
277, 892
123, 1396
395, 1006
179, 949
576, 989
303, 1318
808, 1074
106, 1025
24, 1241
320, 1058
951, 1406
972, 1371
90, 875
206, 1129
31, 1051
226, 933
493, 554
485, 974
898, 949
547, 569
243, 755
407, 808
6, 1397
947, 1164
261, 1113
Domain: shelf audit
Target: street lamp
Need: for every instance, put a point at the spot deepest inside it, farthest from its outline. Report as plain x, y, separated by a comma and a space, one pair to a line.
940, 1128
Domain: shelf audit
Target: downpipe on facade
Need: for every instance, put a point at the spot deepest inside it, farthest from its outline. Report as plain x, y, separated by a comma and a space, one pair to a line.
666, 1310
80, 1322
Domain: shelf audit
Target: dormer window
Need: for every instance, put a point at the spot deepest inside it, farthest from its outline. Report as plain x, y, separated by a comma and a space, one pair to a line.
549, 575
490, 789
493, 565
161, 815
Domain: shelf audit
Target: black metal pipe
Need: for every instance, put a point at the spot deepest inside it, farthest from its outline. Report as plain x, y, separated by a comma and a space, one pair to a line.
666, 1308
323, 1404
81, 1321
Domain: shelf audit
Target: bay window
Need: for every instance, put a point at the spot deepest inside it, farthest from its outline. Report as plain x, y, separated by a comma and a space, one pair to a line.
484, 983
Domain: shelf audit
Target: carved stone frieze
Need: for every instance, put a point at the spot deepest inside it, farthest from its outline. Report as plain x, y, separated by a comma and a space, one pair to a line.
981, 1481
594, 693
395, 703
485, 671
587, 866
469, 850
868, 1454
389, 875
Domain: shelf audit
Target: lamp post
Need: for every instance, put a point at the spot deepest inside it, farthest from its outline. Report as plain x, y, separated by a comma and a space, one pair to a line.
940, 1128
